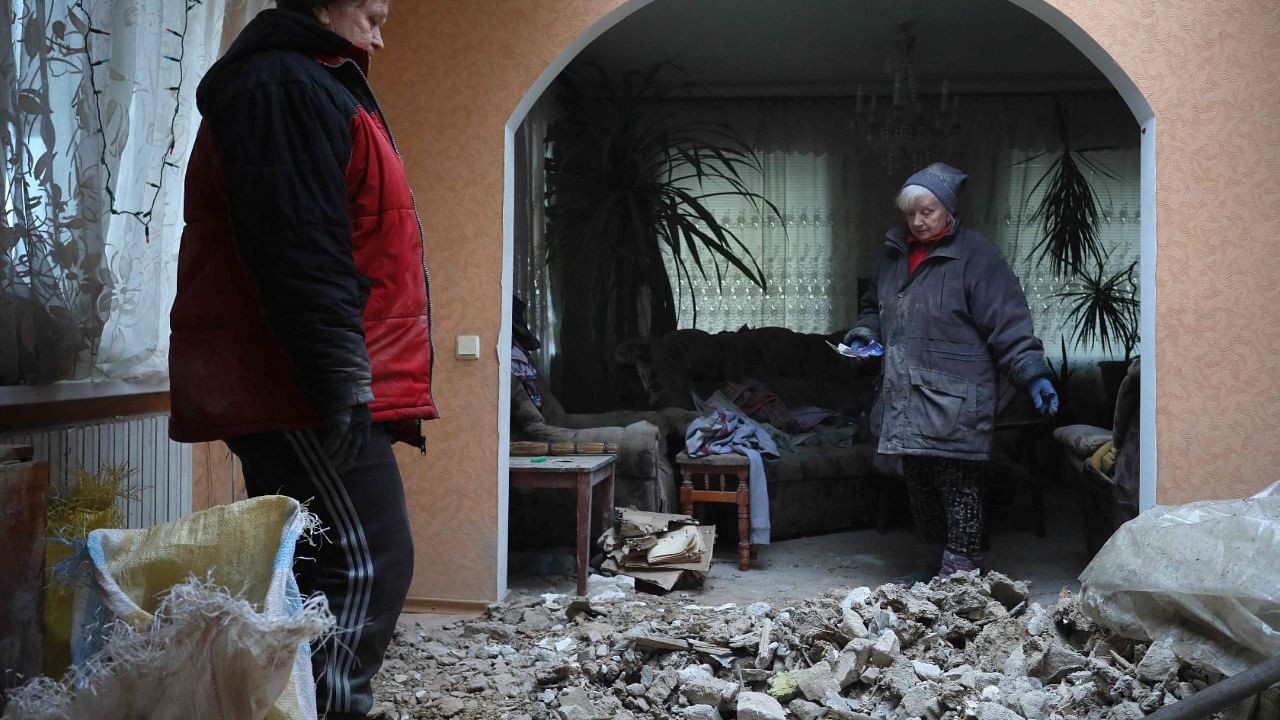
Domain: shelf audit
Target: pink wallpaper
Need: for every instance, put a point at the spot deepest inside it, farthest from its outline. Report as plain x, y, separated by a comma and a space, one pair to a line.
454, 70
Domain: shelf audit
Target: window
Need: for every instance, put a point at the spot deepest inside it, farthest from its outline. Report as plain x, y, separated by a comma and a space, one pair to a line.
808, 263
1118, 232
101, 98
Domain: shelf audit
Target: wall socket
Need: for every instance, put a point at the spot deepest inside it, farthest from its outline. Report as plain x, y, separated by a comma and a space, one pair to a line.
468, 347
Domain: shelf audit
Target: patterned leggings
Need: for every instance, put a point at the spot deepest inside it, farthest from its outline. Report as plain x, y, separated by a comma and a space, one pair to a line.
946, 501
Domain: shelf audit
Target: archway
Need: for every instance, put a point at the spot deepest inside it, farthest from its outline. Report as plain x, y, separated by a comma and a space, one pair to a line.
1044, 11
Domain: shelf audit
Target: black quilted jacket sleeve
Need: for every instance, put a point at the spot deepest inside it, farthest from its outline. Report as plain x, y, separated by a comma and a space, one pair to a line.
286, 142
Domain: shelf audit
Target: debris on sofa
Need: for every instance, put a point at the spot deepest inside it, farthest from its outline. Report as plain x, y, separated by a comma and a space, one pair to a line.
660, 550
971, 646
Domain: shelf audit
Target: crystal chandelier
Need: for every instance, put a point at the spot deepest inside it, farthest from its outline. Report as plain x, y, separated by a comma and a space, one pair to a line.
900, 128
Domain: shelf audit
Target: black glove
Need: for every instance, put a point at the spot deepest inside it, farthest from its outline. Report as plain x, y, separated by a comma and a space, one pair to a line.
347, 434
854, 339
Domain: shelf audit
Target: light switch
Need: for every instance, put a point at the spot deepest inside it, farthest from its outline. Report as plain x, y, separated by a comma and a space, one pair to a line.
468, 347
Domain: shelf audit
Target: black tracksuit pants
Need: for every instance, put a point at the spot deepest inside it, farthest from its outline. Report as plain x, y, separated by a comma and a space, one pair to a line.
363, 562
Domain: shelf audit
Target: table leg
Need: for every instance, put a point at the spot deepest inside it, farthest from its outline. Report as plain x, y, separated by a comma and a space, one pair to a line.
744, 525
606, 511
584, 528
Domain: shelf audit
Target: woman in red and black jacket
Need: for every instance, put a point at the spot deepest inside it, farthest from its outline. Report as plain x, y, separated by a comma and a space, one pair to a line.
301, 327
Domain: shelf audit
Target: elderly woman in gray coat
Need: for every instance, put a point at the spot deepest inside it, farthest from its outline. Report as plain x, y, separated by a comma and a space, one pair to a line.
950, 314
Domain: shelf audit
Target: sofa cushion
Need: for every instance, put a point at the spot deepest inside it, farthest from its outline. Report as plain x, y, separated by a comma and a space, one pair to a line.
811, 463
1082, 440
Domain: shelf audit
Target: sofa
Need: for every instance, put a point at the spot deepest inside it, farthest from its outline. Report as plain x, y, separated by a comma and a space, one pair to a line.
643, 475
823, 482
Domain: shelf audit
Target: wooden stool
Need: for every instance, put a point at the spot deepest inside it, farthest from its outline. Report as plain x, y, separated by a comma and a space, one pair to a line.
723, 468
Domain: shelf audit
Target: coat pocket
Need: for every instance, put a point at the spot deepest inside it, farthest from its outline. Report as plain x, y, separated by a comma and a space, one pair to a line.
937, 401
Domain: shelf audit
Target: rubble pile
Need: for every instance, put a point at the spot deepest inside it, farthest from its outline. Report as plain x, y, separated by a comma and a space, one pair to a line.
968, 647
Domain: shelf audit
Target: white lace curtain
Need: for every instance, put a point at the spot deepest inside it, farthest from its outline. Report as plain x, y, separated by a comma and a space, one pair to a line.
531, 276
827, 175
97, 117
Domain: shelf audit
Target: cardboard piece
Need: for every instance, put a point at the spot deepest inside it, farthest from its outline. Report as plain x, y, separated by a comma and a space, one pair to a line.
636, 523
671, 552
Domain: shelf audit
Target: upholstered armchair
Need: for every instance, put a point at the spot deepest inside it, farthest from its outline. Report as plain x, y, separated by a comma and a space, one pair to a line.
1104, 463
644, 477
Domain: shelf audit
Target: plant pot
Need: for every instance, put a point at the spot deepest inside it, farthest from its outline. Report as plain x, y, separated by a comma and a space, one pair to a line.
1113, 372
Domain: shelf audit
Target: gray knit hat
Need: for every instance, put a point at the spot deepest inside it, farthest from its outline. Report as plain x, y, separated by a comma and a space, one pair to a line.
942, 180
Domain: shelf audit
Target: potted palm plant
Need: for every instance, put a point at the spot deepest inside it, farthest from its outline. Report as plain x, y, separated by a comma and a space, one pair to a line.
1068, 211
628, 181
1105, 311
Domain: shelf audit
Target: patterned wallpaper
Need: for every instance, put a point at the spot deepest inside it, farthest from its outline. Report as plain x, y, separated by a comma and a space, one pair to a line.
454, 70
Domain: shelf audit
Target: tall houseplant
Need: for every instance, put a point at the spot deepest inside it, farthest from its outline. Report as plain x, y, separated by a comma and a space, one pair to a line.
1068, 211
1101, 304
1106, 312
628, 181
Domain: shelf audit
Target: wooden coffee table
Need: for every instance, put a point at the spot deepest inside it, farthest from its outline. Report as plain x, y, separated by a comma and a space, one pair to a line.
572, 472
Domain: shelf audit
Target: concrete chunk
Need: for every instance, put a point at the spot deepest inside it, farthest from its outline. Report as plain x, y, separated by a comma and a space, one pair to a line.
886, 649
690, 673
805, 710
920, 701
1058, 662
852, 625
815, 682
759, 706
663, 683
709, 691
926, 670
1158, 663
700, 712
995, 711
848, 667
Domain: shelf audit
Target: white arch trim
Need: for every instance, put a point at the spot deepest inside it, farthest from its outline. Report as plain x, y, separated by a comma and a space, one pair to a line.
1041, 9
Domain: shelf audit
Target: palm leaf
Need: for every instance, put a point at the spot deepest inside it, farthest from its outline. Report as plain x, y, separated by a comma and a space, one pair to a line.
627, 180
1104, 309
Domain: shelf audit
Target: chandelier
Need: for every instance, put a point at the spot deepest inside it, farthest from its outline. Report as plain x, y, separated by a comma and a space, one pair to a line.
900, 128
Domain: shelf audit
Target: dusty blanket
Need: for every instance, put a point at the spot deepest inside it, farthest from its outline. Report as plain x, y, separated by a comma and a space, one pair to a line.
725, 431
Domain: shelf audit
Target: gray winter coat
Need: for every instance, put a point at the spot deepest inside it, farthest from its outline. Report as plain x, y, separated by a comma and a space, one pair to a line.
946, 329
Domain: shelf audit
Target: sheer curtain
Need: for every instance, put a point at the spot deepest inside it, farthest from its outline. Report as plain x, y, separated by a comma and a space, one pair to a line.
808, 266
98, 117
804, 250
826, 174
532, 278
1016, 234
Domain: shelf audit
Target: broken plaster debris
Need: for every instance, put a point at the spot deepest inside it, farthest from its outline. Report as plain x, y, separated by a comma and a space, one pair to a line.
969, 647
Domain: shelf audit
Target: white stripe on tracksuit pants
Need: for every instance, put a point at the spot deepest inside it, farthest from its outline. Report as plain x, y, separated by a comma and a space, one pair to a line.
363, 564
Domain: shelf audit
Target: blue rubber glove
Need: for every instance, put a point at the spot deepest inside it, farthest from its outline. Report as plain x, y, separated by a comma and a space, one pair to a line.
1044, 396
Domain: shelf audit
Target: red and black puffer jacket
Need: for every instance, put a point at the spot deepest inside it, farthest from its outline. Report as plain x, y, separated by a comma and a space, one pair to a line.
302, 284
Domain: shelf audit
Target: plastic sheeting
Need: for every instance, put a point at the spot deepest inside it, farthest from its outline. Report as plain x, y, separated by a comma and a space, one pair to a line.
1203, 577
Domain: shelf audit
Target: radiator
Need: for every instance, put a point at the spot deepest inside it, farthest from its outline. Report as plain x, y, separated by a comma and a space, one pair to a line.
161, 480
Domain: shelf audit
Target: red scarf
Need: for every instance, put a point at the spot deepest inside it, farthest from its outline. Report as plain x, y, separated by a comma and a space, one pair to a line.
918, 249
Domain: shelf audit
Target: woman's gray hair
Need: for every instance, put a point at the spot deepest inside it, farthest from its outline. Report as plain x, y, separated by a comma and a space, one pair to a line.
910, 194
